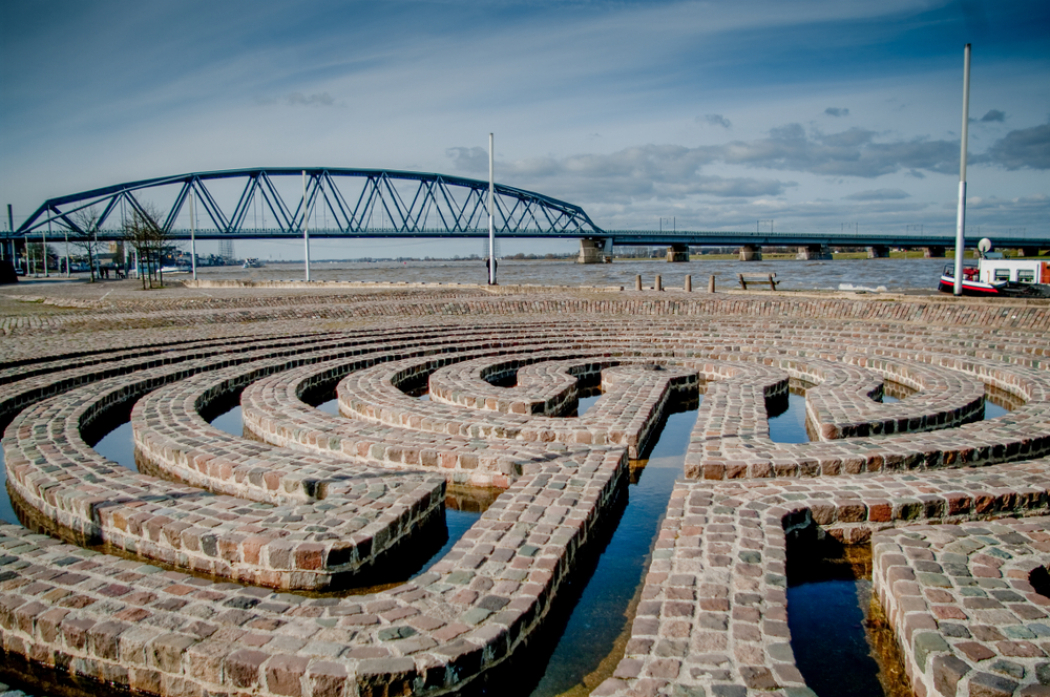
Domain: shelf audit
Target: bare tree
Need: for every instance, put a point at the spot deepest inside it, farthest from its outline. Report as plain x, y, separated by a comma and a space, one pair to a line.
150, 242
83, 234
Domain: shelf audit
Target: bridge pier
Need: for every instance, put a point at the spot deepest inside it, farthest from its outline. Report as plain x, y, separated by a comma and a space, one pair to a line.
678, 252
1029, 251
814, 252
933, 252
591, 251
751, 252
879, 251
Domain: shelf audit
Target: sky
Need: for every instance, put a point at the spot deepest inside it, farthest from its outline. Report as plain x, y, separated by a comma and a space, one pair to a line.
805, 115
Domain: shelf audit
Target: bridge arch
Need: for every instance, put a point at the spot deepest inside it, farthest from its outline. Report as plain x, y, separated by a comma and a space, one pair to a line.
332, 202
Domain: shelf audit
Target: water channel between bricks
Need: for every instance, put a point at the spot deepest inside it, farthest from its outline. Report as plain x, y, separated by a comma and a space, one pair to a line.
828, 601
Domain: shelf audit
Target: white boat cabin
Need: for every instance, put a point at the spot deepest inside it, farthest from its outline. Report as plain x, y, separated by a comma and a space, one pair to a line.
1017, 270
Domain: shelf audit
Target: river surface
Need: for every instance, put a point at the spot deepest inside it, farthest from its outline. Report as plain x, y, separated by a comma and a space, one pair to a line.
893, 275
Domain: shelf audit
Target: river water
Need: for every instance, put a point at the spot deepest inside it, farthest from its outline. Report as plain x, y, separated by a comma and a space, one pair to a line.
893, 275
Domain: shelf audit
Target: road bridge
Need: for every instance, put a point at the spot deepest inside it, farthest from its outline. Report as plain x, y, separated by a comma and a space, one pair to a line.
276, 203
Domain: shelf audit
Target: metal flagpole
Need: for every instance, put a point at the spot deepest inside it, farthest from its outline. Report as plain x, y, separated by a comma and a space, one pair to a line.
43, 249
492, 231
193, 234
306, 233
960, 223
67, 250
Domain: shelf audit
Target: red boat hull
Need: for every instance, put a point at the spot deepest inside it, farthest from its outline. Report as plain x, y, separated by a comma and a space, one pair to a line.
972, 288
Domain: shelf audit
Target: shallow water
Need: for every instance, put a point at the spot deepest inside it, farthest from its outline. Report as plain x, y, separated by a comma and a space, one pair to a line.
119, 446
7, 512
789, 425
601, 614
827, 603
231, 421
828, 638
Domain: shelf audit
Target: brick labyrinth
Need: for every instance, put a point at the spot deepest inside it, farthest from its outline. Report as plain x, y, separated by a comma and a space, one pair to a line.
224, 549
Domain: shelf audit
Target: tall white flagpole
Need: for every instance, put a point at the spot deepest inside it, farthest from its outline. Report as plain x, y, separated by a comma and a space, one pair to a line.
960, 222
492, 230
44, 249
193, 234
306, 232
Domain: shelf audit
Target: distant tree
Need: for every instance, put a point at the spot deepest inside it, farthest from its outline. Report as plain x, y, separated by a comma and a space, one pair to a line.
150, 242
83, 234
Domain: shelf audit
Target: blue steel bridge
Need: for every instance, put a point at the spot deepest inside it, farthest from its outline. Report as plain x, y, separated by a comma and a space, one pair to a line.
274, 203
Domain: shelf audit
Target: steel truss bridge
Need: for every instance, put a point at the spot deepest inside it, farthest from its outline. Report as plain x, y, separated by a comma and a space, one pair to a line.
329, 202
274, 203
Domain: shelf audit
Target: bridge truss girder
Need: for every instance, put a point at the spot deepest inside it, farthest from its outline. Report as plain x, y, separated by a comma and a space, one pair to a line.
406, 203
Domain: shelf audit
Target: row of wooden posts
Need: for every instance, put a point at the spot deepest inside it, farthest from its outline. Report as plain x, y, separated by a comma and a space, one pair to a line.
744, 278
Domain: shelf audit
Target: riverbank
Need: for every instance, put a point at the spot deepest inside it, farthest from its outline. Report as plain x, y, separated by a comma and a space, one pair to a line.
894, 275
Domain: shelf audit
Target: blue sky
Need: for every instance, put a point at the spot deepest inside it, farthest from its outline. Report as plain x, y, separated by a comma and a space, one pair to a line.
815, 115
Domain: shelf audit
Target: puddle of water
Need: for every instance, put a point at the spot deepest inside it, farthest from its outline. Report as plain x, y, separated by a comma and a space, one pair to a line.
837, 632
601, 616
231, 422
993, 410
119, 446
7, 512
588, 396
787, 419
329, 407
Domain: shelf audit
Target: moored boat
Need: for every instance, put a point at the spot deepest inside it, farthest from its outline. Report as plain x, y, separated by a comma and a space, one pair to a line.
971, 283
995, 276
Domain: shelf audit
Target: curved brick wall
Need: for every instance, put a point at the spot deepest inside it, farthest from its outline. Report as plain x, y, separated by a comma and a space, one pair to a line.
312, 500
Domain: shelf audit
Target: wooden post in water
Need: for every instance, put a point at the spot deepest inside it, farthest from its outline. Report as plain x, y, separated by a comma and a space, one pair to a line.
688, 283
638, 282
658, 285
711, 284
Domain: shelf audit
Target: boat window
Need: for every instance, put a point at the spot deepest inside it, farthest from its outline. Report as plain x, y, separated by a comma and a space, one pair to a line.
1026, 276
1002, 274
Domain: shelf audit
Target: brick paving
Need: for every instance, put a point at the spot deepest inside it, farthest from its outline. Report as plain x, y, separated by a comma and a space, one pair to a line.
216, 531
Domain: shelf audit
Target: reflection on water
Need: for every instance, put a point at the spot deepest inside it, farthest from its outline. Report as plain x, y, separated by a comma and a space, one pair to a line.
993, 410
841, 645
230, 421
7, 513
787, 417
588, 397
119, 446
601, 616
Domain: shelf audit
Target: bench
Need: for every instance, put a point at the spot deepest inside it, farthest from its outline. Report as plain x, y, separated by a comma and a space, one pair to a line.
769, 278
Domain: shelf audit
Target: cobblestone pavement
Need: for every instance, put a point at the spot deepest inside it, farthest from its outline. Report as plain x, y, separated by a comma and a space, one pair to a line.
211, 545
